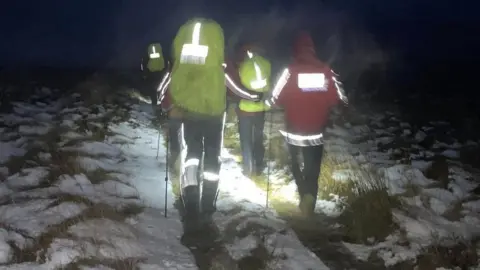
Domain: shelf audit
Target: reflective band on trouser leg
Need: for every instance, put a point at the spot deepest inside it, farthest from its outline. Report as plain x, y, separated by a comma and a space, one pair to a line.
189, 173
303, 140
224, 120
210, 176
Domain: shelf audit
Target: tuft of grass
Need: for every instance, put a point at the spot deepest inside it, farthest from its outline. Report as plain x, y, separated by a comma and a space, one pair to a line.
327, 185
461, 255
368, 212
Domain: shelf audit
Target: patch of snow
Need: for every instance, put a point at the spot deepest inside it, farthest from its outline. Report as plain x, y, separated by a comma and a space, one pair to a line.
9, 149
36, 216
450, 153
29, 177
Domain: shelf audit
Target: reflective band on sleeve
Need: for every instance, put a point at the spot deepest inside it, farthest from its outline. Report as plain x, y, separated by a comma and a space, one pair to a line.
237, 90
340, 91
302, 140
282, 81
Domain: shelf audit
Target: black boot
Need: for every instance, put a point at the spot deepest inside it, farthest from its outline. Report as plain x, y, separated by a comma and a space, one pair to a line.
209, 198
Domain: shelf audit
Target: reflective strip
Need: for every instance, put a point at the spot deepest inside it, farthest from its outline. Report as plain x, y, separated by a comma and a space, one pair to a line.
196, 33
340, 91
223, 132
154, 54
189, 168
224, 65
162, 87
192, 162
260, 82
209, 176
237, 90
282, 81
269, 102
194, 53
250, 54
311, 82
303, 140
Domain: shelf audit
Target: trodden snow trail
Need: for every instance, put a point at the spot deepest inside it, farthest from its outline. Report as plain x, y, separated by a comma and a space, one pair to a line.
248, 235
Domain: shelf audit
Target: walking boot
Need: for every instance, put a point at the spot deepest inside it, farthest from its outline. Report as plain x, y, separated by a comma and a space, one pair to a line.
209, 197
307, 205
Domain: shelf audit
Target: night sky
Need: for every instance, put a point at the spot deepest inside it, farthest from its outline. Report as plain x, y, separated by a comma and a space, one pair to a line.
113, 32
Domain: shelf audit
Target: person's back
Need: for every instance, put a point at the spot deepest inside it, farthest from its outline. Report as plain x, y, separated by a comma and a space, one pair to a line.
197, 88
198, 78
254, 74
153, 69
307, 90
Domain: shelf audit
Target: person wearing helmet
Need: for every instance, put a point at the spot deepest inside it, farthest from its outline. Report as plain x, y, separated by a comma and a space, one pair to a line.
254, 74
197, 87
307, 90
153, 69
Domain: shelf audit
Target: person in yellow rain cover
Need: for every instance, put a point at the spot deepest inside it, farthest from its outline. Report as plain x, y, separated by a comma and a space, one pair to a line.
153, 69
197, 87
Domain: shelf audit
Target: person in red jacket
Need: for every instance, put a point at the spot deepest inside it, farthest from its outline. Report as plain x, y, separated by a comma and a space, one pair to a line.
307, 90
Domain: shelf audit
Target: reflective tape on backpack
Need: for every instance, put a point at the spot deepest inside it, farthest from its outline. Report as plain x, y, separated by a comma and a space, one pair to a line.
302, 140
154, 54
259, 82
194, 53
311, 82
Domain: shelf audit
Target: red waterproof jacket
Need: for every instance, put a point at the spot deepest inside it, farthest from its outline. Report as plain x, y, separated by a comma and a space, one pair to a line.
307, 90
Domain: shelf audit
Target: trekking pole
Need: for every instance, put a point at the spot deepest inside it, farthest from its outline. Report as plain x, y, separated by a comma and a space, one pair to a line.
166, 172
158, 142
269, 157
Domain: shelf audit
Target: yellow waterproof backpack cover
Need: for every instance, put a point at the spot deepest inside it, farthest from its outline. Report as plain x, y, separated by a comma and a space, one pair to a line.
155, 58
198, 78
255, 75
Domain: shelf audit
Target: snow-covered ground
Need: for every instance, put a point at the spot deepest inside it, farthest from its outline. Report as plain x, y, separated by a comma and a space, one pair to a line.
82, 188
440, 212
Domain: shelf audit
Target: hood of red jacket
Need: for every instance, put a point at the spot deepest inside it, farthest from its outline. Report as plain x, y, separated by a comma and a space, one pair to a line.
304, 49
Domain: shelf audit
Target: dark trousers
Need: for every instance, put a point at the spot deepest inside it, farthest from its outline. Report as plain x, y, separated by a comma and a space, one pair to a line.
250, 128
151, 82
306, 179
203, 141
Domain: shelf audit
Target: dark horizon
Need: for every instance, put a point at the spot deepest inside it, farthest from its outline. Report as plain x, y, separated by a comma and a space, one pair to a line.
114, 33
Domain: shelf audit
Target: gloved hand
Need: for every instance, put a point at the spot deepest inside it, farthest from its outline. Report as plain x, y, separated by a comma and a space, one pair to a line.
260, 96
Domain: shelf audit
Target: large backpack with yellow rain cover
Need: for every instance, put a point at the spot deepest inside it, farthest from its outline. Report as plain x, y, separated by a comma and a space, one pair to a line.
156, 61
198, 79
255, 74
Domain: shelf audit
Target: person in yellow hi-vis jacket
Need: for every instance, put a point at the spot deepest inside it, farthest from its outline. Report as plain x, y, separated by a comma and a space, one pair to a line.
153, 69
254, 73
